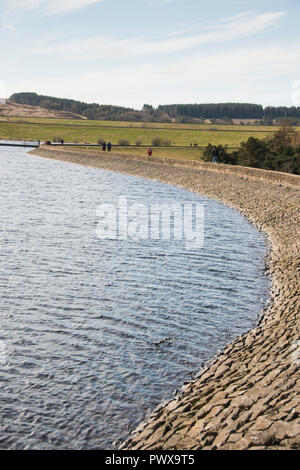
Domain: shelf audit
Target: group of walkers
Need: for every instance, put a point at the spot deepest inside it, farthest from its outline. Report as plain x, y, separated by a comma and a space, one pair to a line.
214, 151
106, 146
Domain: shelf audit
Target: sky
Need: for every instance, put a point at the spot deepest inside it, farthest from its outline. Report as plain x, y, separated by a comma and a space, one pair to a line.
132, 52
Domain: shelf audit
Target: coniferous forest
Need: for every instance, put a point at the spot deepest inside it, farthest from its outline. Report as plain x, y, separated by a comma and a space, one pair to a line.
225, 112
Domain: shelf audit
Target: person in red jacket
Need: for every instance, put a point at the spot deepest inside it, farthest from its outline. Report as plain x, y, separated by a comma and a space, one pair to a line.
149, 151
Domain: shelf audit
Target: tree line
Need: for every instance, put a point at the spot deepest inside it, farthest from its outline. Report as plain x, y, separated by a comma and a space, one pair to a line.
280, 152
215, 110
274, 112
163, 113
90, 111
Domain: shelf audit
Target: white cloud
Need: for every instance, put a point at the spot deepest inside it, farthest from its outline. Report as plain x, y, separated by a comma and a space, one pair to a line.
63, 6
234, 28
8, 27
48, 7
237, 75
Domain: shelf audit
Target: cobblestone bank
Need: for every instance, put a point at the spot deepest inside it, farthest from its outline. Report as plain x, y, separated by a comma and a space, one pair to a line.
248, 396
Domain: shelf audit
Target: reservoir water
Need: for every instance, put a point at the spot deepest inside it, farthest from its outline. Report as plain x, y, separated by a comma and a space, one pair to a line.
81, 317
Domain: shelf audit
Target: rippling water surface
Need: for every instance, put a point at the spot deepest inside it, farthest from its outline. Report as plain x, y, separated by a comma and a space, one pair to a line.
79, 316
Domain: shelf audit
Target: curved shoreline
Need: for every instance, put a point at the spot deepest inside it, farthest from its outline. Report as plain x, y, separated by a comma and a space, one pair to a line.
248, 397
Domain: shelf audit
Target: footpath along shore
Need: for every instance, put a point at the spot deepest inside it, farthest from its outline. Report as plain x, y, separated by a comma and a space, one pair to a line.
248, 396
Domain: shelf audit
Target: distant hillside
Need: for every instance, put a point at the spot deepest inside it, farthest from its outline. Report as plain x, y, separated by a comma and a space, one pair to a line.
12, 109
89, 111
192, 113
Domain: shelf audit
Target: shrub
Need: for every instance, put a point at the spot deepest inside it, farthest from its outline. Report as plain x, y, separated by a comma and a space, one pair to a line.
100, 140
279, 152
156, 141
285, 136
139, 141
166, 142
253, 152
223, 155
123, 142
57, 138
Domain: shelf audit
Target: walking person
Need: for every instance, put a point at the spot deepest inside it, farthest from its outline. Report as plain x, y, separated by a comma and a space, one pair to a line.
104, 146
149, 151
214, 154
108, 146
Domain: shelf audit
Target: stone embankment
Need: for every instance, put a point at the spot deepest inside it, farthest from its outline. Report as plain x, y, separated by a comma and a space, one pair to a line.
247, 397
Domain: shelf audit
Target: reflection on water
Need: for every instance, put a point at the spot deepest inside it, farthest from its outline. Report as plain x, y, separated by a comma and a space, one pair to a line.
80, 316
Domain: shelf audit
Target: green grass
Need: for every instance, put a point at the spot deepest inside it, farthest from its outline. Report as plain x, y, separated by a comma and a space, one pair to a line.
149, 125
191, 153
88, 132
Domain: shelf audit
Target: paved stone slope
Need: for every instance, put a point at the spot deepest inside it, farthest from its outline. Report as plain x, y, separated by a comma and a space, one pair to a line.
248, 397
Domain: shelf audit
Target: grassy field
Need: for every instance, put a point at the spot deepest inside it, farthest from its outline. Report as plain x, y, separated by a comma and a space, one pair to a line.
90, 131
138, 125
189, 153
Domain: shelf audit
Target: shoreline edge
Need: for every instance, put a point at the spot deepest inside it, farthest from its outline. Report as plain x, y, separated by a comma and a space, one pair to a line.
248, 397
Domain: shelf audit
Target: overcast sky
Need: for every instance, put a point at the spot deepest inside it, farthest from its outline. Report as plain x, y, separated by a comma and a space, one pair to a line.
131, 52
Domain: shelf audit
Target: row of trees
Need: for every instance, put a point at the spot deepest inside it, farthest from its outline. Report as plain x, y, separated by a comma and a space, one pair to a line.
163, 113
281, 152
90, 111
214, 110
275, 112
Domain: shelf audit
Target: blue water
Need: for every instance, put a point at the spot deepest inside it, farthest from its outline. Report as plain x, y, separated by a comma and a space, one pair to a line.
80, 315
